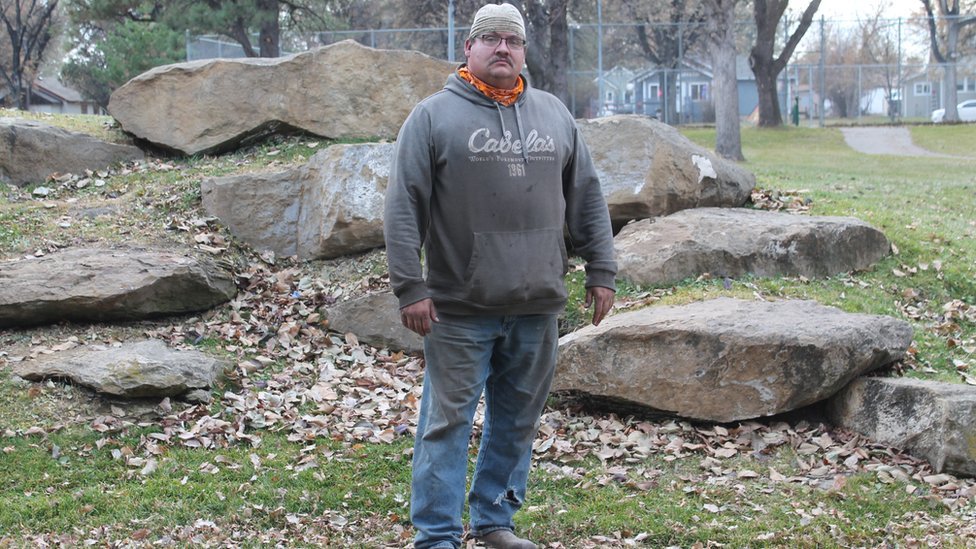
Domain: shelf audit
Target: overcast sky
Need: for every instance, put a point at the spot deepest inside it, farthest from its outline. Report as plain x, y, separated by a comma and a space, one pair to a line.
853, 8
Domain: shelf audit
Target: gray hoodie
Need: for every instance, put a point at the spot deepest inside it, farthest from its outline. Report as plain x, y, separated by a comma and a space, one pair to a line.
488, 191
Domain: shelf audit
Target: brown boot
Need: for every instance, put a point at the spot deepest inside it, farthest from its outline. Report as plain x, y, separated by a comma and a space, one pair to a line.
505, 539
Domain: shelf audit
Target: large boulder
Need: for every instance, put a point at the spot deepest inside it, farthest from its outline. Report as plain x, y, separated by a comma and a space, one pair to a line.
103, 284
738, 241
135, 370
340, 91
331, 206
375, 320
31, 151
933, 420
649, 169
725, 359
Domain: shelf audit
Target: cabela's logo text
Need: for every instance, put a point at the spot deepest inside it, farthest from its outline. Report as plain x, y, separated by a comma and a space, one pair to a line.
482, 141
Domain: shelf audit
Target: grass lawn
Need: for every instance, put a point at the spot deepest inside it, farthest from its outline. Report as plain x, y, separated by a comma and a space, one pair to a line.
266, 464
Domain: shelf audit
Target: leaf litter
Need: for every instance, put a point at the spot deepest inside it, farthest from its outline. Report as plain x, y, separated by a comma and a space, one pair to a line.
294, 375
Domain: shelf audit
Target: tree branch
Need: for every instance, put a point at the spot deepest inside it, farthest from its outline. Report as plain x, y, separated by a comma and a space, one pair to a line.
805, 21
933, 31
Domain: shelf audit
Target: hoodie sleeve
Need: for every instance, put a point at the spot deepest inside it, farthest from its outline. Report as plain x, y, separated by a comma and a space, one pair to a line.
587, 216
407, 207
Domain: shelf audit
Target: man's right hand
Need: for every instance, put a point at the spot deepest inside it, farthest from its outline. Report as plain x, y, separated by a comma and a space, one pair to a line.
419, 317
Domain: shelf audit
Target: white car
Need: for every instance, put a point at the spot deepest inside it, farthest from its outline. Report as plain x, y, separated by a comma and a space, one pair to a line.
966, 110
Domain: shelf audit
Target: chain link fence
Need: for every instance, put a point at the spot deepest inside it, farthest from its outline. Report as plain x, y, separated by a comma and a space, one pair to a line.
827, 79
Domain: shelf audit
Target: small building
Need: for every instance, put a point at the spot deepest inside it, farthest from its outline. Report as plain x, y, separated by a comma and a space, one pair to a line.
49, 95
880, 101
693, 83
618, 92
925, 91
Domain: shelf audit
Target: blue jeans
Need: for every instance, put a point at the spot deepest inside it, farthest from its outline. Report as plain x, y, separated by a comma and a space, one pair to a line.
511, 359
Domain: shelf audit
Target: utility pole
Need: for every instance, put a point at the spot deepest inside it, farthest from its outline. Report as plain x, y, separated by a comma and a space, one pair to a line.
450, 31
599, 54
901, 92
823, 70
572, 70
787, 98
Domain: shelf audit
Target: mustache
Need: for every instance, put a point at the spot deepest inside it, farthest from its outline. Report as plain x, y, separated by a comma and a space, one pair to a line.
496, 59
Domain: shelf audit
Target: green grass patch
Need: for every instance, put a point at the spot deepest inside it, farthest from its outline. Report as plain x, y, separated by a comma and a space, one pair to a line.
952, 139
102, 127
73, 480
67, 482
682, 505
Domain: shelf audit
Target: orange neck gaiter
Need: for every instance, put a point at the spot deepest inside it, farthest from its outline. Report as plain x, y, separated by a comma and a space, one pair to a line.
505, 97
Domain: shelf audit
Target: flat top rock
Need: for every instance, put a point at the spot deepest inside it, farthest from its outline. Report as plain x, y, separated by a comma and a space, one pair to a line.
73, 267
343, 90
103, 284
740, 241
31, 151
727, 359
147, 368
742, 318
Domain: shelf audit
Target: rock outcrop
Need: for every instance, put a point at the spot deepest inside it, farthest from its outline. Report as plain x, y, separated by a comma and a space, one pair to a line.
331, 206
31, 151
932, 420
144, 369
734, 242
105, 284
727, 360
649, 169
340, 91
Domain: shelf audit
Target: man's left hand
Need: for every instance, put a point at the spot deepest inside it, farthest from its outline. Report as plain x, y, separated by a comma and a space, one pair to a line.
602, 300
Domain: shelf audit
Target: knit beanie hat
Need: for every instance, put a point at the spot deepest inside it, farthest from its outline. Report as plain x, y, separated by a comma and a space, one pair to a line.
497, 18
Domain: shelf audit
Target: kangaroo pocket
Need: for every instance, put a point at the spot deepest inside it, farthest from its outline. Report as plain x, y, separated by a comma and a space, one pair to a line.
516, 267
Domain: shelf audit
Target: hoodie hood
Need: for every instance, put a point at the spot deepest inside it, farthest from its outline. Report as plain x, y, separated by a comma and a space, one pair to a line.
468, 91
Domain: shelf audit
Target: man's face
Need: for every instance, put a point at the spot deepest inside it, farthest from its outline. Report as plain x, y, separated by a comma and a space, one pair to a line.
497, 65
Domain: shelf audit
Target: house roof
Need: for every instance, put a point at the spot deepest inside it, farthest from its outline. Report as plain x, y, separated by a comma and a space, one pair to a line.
742, 69
616, 77
58, 90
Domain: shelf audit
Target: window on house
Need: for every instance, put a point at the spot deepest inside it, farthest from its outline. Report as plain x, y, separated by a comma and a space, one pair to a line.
699, 92
923, 88
651, 92
971, 83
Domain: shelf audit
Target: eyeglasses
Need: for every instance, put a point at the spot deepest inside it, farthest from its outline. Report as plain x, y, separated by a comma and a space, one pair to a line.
493, 40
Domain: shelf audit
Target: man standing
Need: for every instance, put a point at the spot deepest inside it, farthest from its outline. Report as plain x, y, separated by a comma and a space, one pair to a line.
487, 175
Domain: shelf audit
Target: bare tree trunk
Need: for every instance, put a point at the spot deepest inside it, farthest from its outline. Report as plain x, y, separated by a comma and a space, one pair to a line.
765, 65
28, 27
239, 33
769, 109
720, 21
559, 56
269, 28
547, 56
949, 70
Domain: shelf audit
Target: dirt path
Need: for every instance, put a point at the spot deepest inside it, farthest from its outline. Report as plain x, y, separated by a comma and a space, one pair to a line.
885, 140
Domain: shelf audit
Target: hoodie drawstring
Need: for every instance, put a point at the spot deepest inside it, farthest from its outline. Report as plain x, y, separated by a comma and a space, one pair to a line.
518, 126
